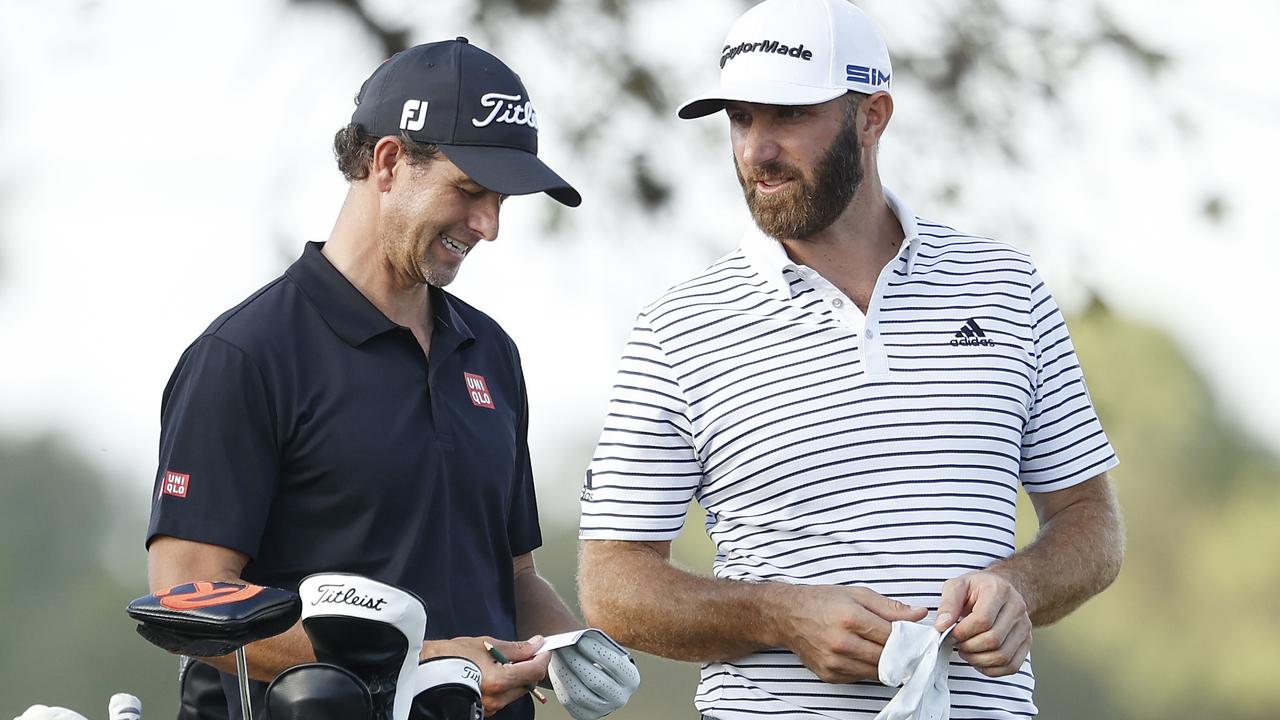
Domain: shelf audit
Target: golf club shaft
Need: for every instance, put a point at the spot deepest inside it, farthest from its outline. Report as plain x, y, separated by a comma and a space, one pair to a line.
242, 670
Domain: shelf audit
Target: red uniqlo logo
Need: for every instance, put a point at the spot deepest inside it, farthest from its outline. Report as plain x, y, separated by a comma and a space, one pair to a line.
174, 484
478, 390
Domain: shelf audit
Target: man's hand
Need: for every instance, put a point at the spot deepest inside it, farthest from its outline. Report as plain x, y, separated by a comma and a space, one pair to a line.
994, 630
594, 676
840, 632
500, 685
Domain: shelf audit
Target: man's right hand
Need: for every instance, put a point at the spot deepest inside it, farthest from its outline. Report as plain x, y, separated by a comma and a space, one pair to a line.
500, 685
839, 632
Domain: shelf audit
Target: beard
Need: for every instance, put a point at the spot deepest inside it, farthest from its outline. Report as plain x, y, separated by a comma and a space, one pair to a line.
807, 208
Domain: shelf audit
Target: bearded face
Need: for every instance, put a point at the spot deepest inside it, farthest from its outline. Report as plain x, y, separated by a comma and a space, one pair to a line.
816, 197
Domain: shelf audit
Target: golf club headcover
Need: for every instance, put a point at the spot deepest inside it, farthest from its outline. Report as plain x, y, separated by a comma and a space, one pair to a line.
124, 706
594, 676
318, 691
208, 619
45, 712
370, 628
447, 688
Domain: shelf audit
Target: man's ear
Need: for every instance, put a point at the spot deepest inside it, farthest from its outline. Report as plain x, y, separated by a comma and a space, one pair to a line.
386, 159
873, 117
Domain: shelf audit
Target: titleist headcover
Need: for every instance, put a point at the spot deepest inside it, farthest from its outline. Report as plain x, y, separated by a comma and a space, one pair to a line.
370, 628
207, 619
447, 688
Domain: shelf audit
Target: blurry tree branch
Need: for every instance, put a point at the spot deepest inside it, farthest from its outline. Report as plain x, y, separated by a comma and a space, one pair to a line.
992, 62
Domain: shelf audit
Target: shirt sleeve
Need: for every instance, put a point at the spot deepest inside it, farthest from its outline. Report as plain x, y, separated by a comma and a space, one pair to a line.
1063, 443
645, 469
524, 534
219, 462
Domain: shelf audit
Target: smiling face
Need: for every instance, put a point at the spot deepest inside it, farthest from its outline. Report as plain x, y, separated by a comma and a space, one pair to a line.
433, 215
799, 166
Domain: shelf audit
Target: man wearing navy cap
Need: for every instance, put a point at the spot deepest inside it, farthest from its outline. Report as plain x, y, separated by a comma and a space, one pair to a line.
352, 416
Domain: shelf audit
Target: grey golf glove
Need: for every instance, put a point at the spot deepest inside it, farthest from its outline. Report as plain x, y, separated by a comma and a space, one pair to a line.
44, 712
593, 677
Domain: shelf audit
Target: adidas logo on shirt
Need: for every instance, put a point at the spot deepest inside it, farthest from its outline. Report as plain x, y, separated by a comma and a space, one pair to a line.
971, 334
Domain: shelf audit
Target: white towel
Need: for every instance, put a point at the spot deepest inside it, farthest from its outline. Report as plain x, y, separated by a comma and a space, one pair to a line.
918, 658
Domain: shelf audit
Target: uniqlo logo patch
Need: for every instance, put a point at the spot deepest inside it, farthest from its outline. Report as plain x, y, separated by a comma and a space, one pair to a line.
175, 484
478, 389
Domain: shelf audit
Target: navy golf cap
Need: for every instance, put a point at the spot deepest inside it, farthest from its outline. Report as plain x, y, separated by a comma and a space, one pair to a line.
469, 103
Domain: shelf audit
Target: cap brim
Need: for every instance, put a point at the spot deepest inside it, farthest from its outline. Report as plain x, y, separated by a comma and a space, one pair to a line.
510, 171
764, 92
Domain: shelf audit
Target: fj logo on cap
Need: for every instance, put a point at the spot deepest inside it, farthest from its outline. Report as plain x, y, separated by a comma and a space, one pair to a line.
478, 389
507, 109
766, 46
414, 115
175, 484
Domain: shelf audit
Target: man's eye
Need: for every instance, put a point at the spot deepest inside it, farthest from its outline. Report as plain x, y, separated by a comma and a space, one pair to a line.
790, 113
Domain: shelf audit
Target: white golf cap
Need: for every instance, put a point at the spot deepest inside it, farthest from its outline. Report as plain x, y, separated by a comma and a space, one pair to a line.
797, 52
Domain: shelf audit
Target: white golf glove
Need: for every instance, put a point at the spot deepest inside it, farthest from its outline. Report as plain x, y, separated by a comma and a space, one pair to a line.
44, 712
594, 676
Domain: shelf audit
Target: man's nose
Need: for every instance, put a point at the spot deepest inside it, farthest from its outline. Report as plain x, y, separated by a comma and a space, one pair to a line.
484, 216
760, 146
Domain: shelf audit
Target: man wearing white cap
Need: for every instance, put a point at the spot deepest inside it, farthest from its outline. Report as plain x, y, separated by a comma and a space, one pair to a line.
854, 396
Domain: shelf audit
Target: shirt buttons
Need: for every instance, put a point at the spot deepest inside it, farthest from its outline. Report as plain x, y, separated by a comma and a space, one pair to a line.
870, 333
838, 302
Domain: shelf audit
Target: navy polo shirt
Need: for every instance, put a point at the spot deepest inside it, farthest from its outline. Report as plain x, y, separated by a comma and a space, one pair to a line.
307, 430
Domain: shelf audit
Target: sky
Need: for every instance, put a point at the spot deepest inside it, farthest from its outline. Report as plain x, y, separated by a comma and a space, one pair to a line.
161, 161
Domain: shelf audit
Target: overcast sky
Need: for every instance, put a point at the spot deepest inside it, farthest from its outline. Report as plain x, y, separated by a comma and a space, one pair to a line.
163, 160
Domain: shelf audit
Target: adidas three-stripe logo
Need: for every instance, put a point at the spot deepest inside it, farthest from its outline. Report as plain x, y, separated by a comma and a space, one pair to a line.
971, 334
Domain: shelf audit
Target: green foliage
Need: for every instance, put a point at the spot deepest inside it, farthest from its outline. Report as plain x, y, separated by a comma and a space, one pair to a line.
67, 640
1189, 628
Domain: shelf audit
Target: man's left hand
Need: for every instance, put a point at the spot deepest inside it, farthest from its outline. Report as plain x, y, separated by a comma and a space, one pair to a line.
993, 630
593, 677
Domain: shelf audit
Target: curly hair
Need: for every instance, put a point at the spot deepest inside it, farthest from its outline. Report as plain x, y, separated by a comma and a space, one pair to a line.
353, 149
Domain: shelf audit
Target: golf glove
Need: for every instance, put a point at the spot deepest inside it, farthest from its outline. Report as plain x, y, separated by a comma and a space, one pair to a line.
44, 712
593, 677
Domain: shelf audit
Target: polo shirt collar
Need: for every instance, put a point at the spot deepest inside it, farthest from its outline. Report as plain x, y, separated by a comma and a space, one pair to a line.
770, 259
910, 228
449, 324
350, 314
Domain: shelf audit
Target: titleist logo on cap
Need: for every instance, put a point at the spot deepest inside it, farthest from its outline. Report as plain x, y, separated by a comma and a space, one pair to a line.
767, 46
507, 109
343, 595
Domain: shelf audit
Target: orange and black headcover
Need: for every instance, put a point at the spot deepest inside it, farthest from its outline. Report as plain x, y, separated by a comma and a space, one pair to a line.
208, 619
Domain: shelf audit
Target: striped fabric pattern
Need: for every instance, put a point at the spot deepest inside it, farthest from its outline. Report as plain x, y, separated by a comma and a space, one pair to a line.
829, 447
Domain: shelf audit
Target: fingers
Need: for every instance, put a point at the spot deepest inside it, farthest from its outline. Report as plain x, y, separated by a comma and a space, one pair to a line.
1008, 659
515, 651
887, 608
527, 672
502, 685
841, 657
988, 595
611, 660
994, 637
955, 594
843, 669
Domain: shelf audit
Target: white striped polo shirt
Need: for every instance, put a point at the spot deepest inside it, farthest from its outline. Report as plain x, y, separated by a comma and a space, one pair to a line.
829, 447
